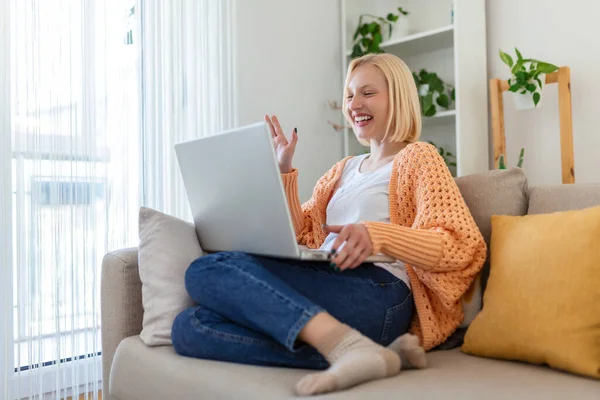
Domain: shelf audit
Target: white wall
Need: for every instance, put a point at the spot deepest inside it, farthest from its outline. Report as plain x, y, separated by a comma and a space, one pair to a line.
564, 33
289, 64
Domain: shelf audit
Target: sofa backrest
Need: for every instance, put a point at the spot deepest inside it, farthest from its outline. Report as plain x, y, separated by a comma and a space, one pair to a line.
507, 192
552, 198
494, 192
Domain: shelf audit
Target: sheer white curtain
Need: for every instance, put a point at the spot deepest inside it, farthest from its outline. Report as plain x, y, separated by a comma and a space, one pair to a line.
188, 88
93, 95
72, 185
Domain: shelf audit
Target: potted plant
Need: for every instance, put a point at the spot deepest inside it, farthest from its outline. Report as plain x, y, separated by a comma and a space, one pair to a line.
502, 164
433, 92
527, 77
369, 35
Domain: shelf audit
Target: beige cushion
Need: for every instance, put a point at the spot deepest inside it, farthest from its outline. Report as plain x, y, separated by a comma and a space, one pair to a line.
141, 372
551, 198
490, 193
167, 247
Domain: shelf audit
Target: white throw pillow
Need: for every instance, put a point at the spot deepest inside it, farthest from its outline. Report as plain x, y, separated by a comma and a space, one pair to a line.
168, 245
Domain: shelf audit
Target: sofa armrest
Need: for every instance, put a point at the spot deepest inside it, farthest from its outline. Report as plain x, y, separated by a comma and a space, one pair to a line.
121, 305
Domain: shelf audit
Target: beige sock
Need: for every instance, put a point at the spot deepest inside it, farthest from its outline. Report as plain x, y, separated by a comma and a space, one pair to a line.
354, 359
411, 353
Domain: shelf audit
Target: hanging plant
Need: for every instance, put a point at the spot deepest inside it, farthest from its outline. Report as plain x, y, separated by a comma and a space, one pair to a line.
433, 92
368, 35
527, 77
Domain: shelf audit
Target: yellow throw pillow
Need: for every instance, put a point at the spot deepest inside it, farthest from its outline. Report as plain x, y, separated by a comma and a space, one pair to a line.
542, 301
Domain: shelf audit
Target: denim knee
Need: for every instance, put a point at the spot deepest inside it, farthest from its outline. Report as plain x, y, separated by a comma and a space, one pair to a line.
179, 330
197, 276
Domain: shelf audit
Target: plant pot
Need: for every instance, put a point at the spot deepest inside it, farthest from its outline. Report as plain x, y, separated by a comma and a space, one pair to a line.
400, 29
525, 102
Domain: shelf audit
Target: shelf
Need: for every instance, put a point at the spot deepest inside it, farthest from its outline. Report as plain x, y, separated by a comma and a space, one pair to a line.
423, 42
441, 118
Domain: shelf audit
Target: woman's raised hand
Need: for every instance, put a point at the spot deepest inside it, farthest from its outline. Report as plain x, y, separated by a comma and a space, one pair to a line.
283, 148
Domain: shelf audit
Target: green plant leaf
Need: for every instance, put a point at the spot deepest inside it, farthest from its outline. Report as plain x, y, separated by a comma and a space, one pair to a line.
372, 27
546, 68
539, 81
514, 88
377, 39
390, 30
453, 94
530, 87
506, 58
519, 56
393, 18
430, 111
524, 91
501, 164
521, 77
519, 66
521, 158
436, 84
364, 30
402, 11
427, 101
356, 51
442, 101
536, 98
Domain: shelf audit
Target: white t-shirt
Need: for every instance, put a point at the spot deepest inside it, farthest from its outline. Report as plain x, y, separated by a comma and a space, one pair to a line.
362, 196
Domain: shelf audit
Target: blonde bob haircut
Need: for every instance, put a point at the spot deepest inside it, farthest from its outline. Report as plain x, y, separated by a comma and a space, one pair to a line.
404, 109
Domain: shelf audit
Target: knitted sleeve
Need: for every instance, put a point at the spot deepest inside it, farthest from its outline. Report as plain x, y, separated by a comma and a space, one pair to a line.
309, 217
444, 236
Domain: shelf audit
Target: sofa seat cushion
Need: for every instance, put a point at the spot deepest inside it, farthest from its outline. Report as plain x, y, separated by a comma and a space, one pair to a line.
142, 372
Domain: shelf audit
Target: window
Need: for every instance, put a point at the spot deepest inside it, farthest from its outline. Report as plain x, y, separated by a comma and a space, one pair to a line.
75, 139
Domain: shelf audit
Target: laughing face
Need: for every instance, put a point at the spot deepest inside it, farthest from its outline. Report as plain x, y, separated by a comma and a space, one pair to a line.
367, 102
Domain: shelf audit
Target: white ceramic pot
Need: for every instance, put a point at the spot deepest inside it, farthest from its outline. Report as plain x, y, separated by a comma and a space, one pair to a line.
525, 102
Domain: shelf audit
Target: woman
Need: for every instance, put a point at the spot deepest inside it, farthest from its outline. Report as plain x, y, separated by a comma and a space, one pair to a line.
399, 200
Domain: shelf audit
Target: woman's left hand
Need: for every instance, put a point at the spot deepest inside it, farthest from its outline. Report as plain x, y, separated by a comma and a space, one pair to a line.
357, 248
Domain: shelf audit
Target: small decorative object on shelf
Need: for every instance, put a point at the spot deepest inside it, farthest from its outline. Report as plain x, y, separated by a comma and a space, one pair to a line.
527, 77
335, 106
433, 92
502, 164
368, 36
449, 158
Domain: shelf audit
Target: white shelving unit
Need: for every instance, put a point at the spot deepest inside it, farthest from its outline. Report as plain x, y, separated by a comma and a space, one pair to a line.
452, 46
423, 42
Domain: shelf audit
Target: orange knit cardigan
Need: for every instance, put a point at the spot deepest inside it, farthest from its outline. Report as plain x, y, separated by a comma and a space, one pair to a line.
431, 230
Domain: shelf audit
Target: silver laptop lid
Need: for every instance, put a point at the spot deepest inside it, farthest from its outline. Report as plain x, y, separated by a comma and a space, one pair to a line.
236, 194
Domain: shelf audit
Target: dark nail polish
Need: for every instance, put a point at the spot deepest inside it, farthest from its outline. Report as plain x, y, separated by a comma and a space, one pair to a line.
332, 251
295, 130
332, 265
337, 269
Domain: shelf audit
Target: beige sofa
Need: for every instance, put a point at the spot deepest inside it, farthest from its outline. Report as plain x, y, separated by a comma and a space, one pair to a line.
133, 370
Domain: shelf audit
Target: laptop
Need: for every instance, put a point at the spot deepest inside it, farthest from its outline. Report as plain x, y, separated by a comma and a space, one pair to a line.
236, 195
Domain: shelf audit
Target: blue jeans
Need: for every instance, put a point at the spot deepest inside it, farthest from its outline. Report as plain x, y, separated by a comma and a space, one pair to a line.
251, 309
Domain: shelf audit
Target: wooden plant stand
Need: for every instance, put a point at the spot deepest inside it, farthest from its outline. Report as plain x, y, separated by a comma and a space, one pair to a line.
563, 78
